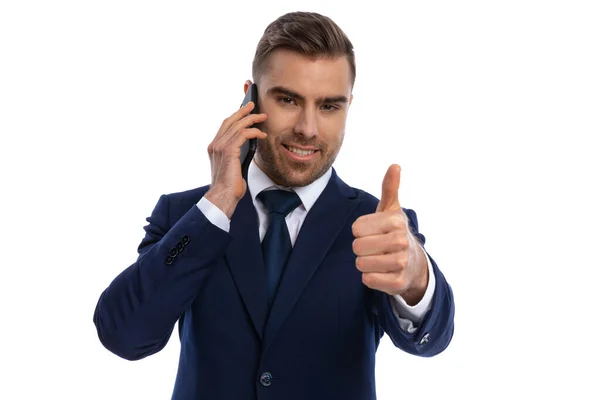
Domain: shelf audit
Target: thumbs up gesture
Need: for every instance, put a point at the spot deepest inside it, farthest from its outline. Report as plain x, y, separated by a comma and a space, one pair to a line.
388, 255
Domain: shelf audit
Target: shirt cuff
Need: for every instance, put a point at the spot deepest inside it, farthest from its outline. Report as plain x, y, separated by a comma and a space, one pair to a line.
214, 214
414, 314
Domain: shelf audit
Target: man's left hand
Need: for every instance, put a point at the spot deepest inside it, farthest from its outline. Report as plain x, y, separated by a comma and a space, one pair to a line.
388, 254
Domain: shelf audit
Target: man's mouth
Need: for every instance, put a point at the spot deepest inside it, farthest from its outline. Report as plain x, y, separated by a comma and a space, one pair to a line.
300, 152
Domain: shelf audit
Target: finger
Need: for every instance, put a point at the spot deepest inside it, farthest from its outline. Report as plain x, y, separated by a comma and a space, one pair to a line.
247, 122
389, 190
225, 135
380, 244
237, 115
379, 223
392, 262
245, 134
231, 143
385, 282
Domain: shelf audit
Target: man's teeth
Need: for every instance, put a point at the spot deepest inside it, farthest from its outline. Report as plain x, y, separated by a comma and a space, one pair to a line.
300, 152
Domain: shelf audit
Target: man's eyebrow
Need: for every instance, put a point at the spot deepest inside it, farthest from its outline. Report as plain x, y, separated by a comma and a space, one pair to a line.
287, 92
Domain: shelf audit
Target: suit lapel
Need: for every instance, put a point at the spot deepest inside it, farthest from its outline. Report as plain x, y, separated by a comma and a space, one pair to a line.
245, 261
321, 227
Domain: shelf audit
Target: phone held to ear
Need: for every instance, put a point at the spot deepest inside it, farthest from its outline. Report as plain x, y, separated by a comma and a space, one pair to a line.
249, 147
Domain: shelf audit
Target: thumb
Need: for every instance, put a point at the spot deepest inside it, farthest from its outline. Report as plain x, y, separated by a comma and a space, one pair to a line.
389, 190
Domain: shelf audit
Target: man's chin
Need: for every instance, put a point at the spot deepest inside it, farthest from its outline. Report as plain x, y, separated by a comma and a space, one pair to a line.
304, 176
292, 176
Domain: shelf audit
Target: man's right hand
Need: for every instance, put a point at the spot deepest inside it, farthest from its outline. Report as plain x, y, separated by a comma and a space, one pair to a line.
228, 186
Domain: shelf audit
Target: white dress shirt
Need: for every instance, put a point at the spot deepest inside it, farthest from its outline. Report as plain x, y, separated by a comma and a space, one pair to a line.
409, 316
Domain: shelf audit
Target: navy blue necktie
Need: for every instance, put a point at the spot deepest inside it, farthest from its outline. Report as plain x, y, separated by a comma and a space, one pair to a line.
276, 245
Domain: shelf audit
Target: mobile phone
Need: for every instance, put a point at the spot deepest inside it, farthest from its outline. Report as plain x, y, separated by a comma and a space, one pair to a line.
249, 147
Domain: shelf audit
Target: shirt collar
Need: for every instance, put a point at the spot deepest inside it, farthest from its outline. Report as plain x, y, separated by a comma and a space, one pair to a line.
259, 181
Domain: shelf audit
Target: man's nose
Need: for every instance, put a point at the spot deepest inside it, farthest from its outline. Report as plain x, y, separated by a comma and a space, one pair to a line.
307, 123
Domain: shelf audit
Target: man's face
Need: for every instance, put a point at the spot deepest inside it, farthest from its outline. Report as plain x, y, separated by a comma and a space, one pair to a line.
306, 101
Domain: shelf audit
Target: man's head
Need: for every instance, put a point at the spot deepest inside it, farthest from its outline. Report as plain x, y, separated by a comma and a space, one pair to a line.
304, 68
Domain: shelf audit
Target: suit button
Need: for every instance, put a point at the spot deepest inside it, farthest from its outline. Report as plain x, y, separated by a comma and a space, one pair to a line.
169, 260
424, 339
185, 240
173, 252
179, 246
266, 378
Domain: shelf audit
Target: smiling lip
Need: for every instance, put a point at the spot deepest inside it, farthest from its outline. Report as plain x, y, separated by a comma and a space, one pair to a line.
300, 147
298, 157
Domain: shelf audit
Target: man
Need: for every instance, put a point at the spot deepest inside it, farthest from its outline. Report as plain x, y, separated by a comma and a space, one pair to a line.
281, 304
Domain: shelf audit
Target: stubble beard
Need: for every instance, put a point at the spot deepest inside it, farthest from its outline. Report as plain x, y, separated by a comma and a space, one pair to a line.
289, 173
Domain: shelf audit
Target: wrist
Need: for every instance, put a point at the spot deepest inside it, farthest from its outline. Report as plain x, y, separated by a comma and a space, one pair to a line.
222, 200
415, 292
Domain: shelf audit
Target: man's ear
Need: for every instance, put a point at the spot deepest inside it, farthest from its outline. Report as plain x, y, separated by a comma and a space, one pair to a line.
351, 97
247, 85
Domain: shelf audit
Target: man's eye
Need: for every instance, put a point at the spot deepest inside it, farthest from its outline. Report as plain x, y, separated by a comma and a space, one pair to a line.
329, 107
286, 100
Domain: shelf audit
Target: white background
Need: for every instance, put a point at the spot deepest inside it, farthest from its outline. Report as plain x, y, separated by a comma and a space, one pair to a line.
491, 108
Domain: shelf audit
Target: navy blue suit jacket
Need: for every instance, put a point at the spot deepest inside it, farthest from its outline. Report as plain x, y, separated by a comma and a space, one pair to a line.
320, 337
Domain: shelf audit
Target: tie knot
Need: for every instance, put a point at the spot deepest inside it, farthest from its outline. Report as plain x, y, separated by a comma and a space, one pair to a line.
279, 201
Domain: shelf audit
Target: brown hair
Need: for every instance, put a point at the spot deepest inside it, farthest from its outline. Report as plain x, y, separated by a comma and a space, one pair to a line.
307, 33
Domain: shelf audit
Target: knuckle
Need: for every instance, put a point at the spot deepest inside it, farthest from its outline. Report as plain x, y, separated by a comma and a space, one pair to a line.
240, 135
249, 132
400, 239
355, 246
397, 222
401, 260
398, 283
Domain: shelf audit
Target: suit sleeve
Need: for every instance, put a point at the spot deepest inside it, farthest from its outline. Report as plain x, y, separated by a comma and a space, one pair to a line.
434, 333
137, 312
